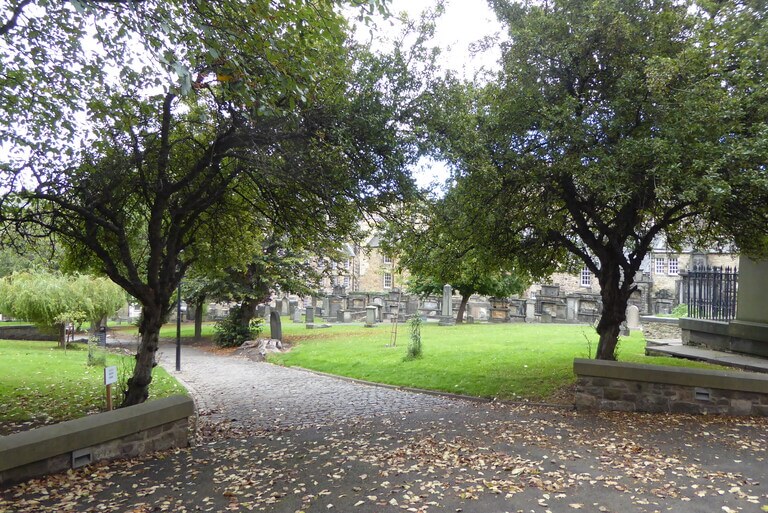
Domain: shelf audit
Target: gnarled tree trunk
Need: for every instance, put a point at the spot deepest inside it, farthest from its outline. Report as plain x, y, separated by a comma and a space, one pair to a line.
199, 318
462, 308
138, 385
615, 293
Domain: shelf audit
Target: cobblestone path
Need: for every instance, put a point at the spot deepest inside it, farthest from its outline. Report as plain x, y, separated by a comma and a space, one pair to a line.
256, 395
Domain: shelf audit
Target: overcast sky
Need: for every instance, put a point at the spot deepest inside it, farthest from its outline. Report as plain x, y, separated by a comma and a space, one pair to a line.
463, 24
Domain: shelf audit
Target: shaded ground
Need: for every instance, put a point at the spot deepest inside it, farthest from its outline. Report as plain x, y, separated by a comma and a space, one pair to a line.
285, 440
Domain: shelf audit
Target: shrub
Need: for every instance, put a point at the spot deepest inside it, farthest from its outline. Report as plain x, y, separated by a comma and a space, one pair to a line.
414, 345
96, 355
230, 331
680, 310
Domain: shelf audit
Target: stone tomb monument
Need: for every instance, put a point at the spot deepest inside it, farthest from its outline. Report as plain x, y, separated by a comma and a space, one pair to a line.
446, 319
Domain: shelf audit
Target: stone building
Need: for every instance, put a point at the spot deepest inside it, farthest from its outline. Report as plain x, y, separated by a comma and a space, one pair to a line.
660, 280
365, 269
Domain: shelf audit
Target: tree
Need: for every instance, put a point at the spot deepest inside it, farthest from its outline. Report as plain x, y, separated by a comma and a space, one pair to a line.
52, 300
248, 127
613, 123
433, 242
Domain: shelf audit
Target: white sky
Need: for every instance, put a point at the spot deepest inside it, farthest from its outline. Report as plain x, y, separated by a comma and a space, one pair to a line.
463, 23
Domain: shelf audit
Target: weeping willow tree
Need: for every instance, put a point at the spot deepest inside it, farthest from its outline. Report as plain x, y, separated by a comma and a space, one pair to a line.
53, 300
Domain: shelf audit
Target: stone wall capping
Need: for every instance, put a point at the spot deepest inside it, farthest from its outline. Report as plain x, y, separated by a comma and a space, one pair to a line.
49, 442
704, 378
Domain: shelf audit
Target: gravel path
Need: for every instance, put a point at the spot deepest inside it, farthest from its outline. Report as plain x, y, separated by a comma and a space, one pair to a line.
254, 395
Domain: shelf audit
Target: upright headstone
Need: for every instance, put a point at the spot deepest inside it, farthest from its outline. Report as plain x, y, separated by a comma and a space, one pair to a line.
633, 318
297, 315
267, 312
572, 308
310, 315
275, 327
326, 307
446, 319
370, 316
285, 304
530, 310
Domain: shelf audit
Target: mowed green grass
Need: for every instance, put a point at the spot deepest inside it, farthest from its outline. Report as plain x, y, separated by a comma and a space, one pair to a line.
505, 361
42, 383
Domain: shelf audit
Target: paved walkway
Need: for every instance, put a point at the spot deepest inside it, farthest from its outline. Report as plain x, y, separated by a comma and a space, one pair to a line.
308, 443
249, 395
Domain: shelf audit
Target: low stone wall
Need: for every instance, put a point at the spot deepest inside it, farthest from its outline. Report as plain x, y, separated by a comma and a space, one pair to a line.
660, 328
737, 336
123, 433
606, 385
18, 332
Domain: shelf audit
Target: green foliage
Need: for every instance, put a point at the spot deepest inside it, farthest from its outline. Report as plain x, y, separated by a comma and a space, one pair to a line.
414, 344
433, 239
232, 331
190, 133
52, 299
97, 356
680, 310
612, 124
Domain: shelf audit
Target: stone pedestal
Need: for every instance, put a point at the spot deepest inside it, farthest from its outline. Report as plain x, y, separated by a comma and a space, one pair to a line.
530, 310
370, 316
446, 317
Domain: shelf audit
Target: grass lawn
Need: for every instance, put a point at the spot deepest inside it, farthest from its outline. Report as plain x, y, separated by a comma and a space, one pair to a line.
507, 361
42, 384
169, 330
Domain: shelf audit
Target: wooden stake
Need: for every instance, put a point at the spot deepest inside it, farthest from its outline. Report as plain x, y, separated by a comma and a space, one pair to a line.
109, 397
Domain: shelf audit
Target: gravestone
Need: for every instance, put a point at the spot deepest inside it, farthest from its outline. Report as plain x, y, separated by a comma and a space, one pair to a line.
285, 305
370, 316
267, 312
275, 326
297, 314
572, 308
530, 310
326, 306
446, 319
310, 315
633, 317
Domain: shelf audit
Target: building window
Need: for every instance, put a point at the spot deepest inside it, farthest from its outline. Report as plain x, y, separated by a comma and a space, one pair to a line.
387, 280
586, 277
348, 263
674, 266
346, 281
387, 259
660, 265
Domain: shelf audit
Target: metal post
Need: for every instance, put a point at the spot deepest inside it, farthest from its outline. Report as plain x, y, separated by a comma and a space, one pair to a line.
178, 328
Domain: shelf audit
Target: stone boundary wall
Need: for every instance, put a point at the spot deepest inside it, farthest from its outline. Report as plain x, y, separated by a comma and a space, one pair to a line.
660, 328
122, 433
28, 332
607, 385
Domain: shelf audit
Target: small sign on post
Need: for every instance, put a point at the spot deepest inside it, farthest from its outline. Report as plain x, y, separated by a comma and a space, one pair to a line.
110, 377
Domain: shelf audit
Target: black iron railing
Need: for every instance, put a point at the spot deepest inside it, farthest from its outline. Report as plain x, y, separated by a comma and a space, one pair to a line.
711, 292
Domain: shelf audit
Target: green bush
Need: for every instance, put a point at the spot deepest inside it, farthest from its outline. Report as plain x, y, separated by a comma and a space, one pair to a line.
230, 331
680, 310
414, 345
97, 356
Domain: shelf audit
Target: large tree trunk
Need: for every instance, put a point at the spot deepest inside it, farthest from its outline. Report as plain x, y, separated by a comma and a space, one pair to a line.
149, 329
248, 311
199, 318
462, 308
615, 295
62, 332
